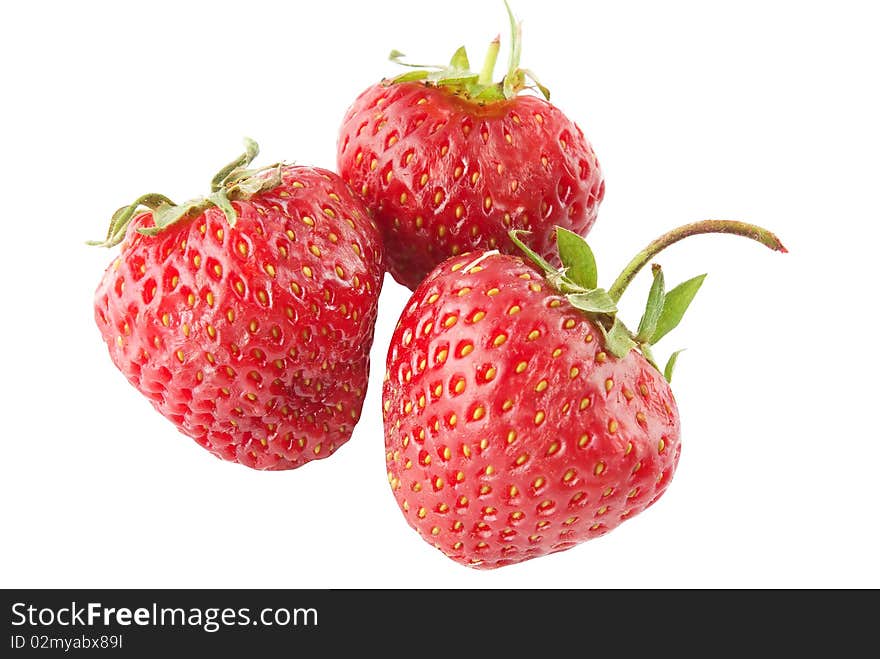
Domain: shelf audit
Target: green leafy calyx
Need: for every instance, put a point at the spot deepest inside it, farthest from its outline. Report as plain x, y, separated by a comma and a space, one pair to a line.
458, 78
232, 183
577, 280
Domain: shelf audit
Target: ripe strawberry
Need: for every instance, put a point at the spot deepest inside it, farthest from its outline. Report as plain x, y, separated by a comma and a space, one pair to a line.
247, 317
519, 418
450, 162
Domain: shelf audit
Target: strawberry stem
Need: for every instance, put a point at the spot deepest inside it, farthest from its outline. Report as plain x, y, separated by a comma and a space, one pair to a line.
733, 227
457, 78
488, 70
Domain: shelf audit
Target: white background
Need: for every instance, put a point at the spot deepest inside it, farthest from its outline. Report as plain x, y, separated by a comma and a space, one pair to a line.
760, 111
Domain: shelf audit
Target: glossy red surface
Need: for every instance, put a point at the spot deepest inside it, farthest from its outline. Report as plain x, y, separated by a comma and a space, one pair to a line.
510, 432
254, 339
444, 175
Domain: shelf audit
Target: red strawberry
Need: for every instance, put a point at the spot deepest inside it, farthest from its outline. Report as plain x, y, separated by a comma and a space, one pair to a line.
519, 418
450, 162
246, 317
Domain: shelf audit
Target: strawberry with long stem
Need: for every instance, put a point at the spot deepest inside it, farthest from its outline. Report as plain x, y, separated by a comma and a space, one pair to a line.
522, 416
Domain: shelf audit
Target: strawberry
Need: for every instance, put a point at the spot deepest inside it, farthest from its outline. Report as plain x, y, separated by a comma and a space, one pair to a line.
521, 416
246, 317
450, 162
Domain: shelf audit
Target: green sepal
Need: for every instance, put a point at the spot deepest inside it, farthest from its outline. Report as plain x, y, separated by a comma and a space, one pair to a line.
410, 76
653, 308
251, 151
457, 76
578, 261
545, 92
447, 81
166, 216
618, 339
677, 302
250, 185
459, 61
594, 301
487, 94
670, 365
233, 182
123, 216
397, 57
